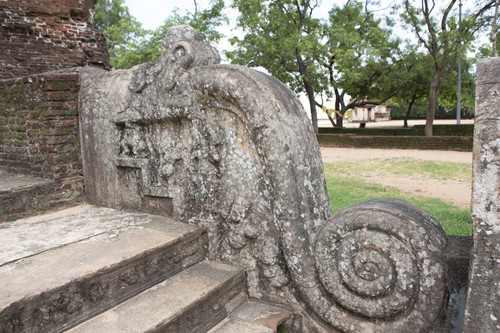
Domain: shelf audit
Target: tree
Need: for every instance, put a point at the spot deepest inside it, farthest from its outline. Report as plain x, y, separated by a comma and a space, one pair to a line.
129, 44
494, 30
416, 83
282, 36
362, 58
443, 38
122, 31
448, 96
349, 55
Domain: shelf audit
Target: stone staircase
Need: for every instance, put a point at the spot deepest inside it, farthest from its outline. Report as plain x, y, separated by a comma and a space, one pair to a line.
95, 269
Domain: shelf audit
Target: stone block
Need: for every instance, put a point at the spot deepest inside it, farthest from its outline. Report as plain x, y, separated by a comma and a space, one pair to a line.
483, 297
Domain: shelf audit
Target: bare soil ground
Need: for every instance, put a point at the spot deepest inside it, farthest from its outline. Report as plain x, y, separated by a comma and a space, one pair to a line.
455, 192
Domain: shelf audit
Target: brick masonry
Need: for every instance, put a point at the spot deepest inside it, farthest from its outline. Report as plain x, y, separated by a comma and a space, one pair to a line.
457, 143
39, 129
42, 35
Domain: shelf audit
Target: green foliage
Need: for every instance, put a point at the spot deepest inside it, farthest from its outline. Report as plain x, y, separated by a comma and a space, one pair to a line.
276, 35
129, 44
415, 85
123, 33
206, 22
284, 38
448, 95
363, 58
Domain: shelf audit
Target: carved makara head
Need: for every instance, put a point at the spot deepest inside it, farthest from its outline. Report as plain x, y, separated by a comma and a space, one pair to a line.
184, 49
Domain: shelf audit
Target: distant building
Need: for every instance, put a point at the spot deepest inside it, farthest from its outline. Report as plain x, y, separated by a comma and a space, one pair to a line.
369, 113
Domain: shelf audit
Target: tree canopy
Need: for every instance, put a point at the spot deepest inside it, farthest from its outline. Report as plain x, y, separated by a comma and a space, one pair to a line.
365, 62
350, 57
123, 33
350, 54
282, 37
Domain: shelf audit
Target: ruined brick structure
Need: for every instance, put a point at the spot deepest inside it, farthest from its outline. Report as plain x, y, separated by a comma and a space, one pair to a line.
42, 42
37, 36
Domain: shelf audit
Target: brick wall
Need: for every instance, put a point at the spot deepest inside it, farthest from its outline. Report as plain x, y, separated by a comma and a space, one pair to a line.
42, 35
39, 128
456, 143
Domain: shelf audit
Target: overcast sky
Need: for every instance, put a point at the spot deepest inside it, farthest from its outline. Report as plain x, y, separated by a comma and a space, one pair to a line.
152, 13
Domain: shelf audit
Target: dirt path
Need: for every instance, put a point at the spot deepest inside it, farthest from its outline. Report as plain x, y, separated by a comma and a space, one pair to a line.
457, 193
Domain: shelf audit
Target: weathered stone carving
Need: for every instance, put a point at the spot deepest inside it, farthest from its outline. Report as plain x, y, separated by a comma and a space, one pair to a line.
231, 150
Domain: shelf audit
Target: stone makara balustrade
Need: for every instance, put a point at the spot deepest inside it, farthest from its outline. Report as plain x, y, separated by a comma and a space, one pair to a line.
231, 149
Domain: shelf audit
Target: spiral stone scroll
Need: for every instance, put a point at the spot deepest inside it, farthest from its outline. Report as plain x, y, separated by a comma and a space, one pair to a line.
380, 262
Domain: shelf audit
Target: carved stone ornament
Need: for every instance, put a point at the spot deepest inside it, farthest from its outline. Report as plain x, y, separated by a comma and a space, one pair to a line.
231, 149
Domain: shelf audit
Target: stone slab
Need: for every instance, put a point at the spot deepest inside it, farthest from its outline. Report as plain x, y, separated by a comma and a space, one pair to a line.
253, 317
27, 237
84, 261
457, 257
23, 195
191, 301
230, 326
12, 182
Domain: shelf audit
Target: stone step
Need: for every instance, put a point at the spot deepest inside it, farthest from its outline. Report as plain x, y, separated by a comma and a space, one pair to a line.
253, 317
58, 270
23, 195
192, 301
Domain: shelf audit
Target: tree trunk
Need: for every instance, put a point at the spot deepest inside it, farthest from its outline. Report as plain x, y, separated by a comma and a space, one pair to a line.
493, 36
106, 13
407, 115
339, 121
431, 110
312, 105
309, 90
332, 121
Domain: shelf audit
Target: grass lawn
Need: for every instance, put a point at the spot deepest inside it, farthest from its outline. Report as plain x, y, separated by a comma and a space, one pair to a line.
412, 167
345, 191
